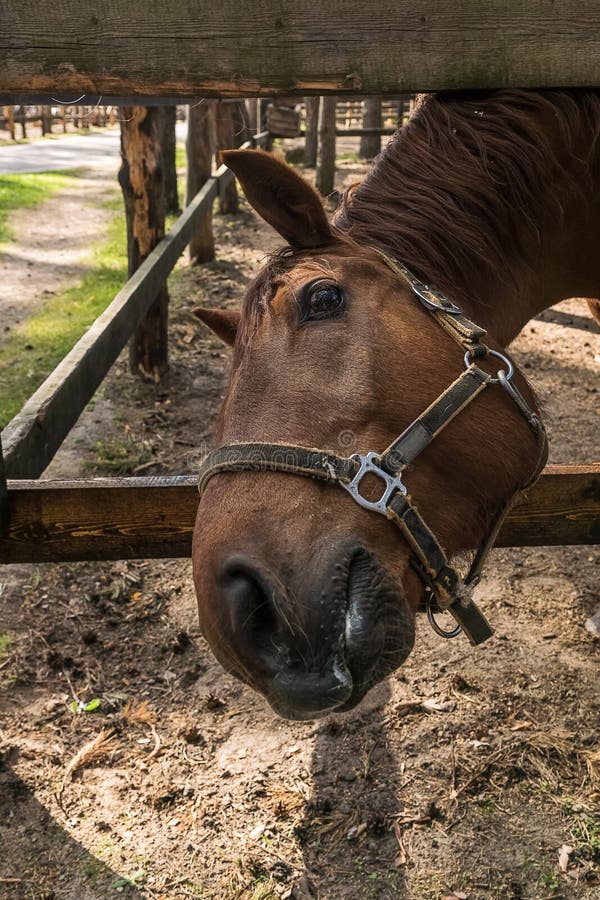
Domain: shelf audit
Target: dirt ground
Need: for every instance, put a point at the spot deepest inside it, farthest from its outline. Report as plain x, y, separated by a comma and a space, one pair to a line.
471, 773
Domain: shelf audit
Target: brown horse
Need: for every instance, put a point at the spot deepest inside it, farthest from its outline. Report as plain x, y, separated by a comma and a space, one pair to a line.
495, 200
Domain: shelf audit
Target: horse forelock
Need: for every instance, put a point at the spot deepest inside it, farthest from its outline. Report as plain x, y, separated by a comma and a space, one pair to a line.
467, 183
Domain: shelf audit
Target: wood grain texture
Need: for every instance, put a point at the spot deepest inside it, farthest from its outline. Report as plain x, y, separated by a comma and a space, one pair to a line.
3, 495
196, 48
129, 518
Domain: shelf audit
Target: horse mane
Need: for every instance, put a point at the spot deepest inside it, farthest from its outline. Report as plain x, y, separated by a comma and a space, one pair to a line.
464, 186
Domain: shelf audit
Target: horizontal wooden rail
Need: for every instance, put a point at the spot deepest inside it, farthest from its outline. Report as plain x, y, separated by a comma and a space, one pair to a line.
130, 518
31, 439
132, 48
360, 132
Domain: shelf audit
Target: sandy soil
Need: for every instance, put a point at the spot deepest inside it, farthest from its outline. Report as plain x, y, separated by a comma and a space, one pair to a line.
182, 783
52, 246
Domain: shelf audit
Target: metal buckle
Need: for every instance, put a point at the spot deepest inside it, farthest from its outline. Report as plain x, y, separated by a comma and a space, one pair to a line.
392, 483
434, 301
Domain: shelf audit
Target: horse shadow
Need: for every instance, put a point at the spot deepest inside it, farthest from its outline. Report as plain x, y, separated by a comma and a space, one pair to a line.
349, 846
39, 860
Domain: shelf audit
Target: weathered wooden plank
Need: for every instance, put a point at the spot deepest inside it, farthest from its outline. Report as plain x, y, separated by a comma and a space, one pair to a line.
201, 48
32, 438
3, 495
562, 507
132, 518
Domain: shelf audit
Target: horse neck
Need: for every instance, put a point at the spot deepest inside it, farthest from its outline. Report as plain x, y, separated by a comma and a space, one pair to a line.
487, 199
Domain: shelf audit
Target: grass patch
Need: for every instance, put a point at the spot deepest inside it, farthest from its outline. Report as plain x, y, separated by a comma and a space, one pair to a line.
4, 645
585, 835
180, 155
121, 455
18, 191
38, 344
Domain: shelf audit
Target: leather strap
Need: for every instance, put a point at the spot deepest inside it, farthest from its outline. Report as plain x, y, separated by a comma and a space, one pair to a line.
447, 314
259, 457
428, 425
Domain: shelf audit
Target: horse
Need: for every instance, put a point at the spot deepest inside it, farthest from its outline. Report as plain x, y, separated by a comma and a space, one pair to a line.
380, 330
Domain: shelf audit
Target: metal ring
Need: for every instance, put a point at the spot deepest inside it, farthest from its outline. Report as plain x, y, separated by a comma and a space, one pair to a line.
431, 618
509, 366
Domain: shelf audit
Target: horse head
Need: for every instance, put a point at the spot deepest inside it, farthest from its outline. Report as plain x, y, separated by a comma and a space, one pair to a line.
302, 593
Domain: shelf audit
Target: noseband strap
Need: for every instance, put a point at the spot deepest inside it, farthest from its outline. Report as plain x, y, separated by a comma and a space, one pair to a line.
445, 588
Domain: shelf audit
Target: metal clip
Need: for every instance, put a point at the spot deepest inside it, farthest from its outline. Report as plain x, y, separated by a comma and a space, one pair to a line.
432, 621
392, 483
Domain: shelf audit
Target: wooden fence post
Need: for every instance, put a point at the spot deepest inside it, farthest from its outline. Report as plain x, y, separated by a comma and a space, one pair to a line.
3, 495
10, 121
312, 131
226, 140
168, 146
46, 120
200, 146
326, 156
370, 144
140, 177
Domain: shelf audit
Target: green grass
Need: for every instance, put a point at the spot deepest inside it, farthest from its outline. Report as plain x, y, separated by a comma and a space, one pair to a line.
18, 191
119, 455
38, 344
5, 643
585, 835
180, 155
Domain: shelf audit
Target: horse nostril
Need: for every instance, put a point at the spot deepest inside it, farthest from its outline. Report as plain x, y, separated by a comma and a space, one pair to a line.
252, 614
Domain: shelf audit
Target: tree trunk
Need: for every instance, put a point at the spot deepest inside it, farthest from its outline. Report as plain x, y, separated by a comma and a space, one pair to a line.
326, 160
226, 140
10, 122
370, 144
46, 120
168, 143
312, 131
141, 180
200, 147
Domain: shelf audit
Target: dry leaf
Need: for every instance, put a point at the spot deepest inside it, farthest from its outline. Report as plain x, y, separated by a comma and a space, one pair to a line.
138, 712
563, 857
477, 745
402, 855
438, 706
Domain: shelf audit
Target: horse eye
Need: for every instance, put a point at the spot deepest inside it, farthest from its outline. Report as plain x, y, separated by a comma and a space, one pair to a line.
324, 301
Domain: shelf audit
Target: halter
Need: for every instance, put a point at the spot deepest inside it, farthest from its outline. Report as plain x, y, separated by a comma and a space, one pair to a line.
445, 588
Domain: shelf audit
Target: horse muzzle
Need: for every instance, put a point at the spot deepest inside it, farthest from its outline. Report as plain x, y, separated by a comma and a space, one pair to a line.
317, 648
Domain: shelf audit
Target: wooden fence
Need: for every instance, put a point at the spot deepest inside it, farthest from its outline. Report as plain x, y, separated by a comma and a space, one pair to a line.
31, 439
228, 49
46, 116
140, 49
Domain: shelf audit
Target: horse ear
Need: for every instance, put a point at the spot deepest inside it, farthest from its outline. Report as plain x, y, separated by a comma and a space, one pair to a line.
281, 197
224, 322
